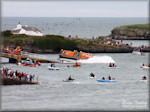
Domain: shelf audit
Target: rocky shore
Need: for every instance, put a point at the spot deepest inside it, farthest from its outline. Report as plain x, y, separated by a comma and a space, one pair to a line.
93, 48
131, 32
14, 81
54, 43
106, 49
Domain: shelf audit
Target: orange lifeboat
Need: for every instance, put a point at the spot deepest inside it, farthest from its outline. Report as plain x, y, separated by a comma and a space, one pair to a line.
75, 55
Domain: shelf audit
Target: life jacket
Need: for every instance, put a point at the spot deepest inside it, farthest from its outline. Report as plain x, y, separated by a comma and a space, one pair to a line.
143, 79
38, 63
111, 65
79, 64
16, 52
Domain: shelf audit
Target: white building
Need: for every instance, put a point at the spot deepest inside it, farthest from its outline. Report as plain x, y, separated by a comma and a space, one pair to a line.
27, 30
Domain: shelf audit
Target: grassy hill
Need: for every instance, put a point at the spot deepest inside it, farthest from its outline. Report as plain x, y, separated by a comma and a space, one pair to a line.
138, 26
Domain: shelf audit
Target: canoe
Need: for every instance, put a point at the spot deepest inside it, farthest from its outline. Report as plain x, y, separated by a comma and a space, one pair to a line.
100, 80
53, 68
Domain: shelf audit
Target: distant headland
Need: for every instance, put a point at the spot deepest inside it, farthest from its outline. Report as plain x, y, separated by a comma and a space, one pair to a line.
132, 32
102, 44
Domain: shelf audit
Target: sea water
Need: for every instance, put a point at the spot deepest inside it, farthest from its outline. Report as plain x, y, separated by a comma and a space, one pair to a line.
84, 93
84, 27
128, 93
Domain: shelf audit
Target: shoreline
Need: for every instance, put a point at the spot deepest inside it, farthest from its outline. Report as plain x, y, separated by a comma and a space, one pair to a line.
102, 44
85, 45
14, 81
11, 77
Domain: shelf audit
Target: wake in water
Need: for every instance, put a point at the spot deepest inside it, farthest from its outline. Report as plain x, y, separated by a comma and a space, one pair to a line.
98, 59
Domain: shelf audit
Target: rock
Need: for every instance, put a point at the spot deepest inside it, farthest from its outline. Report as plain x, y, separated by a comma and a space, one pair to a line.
106, 49
131, 34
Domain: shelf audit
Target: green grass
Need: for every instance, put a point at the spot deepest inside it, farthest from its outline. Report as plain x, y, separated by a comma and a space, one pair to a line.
15, 38
137, 26
18, 39
54, 42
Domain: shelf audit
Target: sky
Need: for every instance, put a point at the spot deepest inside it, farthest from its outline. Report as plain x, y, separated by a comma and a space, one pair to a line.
62, 8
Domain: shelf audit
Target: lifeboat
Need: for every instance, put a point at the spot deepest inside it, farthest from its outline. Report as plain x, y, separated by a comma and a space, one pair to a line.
30, 65
73, 56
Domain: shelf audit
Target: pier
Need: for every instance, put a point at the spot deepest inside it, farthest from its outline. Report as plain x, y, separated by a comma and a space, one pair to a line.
13, 58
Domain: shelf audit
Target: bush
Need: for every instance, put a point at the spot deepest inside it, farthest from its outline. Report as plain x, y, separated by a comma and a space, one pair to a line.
7, 33
54, 42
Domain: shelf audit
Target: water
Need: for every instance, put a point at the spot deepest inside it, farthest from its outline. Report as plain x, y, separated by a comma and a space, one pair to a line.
84, 93
98, 59
84, 27
138, 43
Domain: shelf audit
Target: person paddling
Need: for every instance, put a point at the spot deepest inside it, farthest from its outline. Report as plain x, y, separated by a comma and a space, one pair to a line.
52, 65
144, 78
92, 75
103, 78
109, 78
70, 78
144, 64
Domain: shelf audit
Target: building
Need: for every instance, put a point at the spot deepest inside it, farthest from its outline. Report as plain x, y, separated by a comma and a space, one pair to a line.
27, 30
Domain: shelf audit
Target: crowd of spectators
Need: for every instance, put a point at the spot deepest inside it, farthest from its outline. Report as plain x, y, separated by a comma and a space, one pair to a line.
6, 72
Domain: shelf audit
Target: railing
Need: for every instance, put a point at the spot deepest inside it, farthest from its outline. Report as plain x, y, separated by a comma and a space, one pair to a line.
24, 54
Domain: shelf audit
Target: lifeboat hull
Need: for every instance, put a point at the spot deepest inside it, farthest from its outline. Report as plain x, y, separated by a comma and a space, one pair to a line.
65, 59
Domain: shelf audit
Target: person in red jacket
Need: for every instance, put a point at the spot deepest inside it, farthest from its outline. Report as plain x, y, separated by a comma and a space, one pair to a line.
19, 74
11, 74
110, 65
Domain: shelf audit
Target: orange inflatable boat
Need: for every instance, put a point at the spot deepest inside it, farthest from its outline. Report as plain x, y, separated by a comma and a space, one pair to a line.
74, 55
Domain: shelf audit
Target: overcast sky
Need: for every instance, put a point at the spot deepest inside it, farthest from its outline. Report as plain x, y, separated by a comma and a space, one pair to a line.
47, 8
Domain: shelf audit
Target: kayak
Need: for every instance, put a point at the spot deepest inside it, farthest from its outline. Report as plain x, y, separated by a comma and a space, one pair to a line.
68, 80
145, 67
136, 53
92, 77
144, 80
53, 68
100, 80
113, 67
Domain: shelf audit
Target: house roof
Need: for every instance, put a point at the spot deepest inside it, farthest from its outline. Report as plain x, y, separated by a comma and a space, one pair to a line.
16, 31
31, 29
